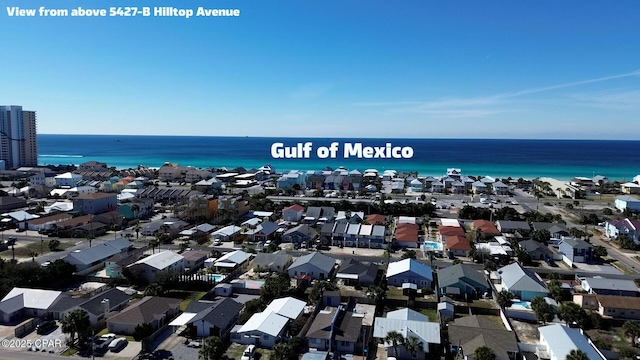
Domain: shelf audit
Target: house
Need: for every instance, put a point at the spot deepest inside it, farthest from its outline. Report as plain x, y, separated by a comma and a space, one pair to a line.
499, 188
522, 283
602, 286
8, 203
316, 265
194, 259
437, 187
24, 302
339, 235
299, 234
458, 245
150, 266
92, 256
68, 180
416, 185
154, 310
335, 329
536, 250
45, 222
557, 230
353, 272
232, 260
262, 231
630, 188
479, 187
468, 333
409, 271
96, 203
290, 179
624, 202
171, 172
293, 213
351, 217
406, 235
275, 262
227, 233
575, 251
316, 214
100, 306
210, 318
615, 228
560, 340
265, 329
486, 228
621, 307
463, 281
446, 311
377, 239
511, 227
408, 323
376, 219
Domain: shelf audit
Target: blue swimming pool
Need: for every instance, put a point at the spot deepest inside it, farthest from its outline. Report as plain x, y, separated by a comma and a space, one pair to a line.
217, 277
524, 304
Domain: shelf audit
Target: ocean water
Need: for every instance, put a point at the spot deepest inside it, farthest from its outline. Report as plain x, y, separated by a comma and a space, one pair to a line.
562, 159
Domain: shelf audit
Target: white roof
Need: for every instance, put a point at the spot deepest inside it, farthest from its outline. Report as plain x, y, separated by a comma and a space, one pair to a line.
235, 257
399, 267
33, 298
21, 215
494, 248
630, 185
263, 213
450, 222
183, 319
266, 322
561, 340
125, 196
68, 175
228, 230
161, 260
365, 230
353, 229
252, 222
406, 220
289, 307
427, 332
59, 206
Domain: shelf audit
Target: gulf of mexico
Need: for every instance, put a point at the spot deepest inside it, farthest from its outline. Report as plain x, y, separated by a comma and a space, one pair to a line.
561, 159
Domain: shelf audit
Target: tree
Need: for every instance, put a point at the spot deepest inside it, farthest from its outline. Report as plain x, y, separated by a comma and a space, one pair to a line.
54, 244
412, 344
544, 311
409, 254
571, 312
142, 331
600, 251
626, 242
484, 353
377, 293
283, 351
395, 338
541, 235
320, 287
275, 287
489, 265
76, 322
577, 354
212, 348
505, 299
555, 290
32, 254
631, 329
154, 244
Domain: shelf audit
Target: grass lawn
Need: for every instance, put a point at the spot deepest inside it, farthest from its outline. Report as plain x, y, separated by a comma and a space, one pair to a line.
431, 313
235, 351
41, 249
70, 352
395, 293
195, 296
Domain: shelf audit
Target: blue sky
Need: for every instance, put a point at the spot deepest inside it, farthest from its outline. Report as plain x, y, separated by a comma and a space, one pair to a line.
356, 68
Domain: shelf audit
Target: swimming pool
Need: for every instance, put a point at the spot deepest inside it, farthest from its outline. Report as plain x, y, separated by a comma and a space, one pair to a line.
432, 245
217, 277
523, 304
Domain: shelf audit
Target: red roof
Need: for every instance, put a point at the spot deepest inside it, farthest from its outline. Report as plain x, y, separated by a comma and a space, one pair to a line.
487, 227
451, 231
458, 243
374, 218
296, 208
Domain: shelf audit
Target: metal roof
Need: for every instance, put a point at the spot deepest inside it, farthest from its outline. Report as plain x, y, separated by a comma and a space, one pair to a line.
418, 268
161, 260
266, 322
562, 339
288, 307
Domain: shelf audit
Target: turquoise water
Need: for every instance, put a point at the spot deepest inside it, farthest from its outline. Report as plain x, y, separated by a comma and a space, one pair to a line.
524, 304
217, 277
562, 159
431, 245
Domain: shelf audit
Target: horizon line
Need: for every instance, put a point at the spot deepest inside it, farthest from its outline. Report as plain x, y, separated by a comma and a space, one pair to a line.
345, 138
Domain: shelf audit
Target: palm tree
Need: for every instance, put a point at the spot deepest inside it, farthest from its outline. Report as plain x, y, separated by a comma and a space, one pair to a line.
134, 209
282, 351
33, 255
75, 323
413, 345
631, 329
505, 299
154, 242
576, 354
395, 338
212, 348
484, 353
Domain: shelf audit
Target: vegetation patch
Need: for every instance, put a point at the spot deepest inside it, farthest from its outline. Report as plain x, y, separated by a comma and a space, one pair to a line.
34, 249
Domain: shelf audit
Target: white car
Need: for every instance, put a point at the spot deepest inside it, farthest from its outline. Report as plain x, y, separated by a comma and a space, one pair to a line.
118, 344
267, 243
217, 242
249, 353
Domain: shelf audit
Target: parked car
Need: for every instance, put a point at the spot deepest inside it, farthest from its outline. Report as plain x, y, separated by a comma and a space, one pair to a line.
118, 344
45, 327
249, 353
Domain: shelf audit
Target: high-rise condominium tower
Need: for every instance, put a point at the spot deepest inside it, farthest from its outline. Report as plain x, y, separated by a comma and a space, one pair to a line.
18, 141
